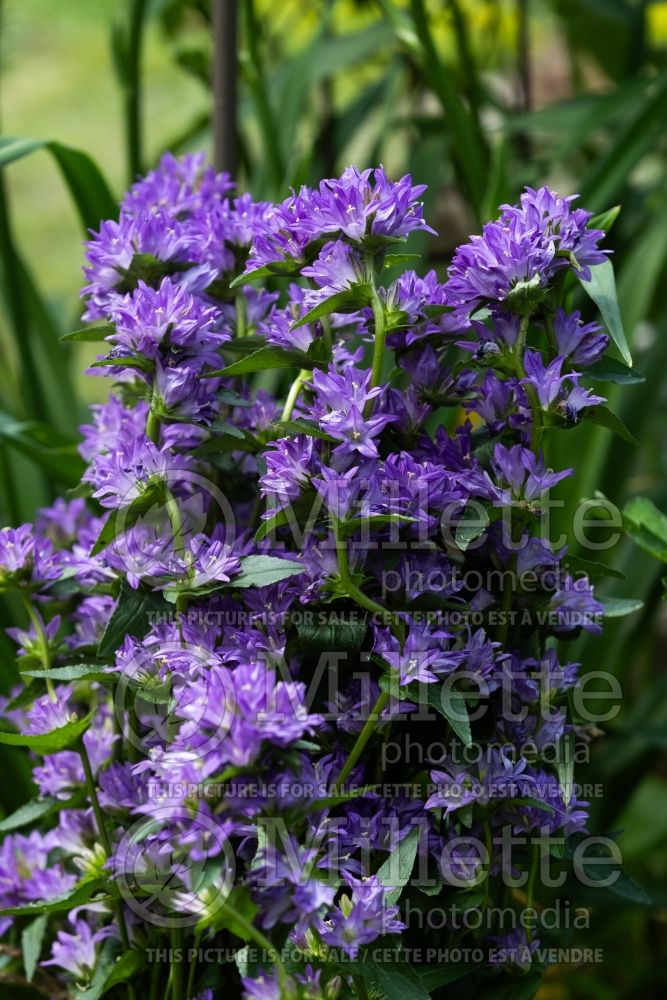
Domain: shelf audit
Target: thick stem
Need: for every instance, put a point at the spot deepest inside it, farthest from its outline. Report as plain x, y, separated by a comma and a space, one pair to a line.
380, 338
304, 376
153, 426
241, 308
224, 15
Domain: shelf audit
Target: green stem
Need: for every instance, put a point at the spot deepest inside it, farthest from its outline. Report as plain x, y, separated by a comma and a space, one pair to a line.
153, 426
190, 989
106, 844
241, 314
364, 736
304, 376
177, 964
530, 889
43, 642
535, 408
506, 606
360, 987
250, 931
175, 520
155, 981
379, 341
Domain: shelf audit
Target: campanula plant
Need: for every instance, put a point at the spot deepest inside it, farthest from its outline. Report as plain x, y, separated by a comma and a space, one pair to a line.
312, 530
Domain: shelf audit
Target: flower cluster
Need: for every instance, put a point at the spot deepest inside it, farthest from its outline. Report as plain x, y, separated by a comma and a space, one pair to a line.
263, 592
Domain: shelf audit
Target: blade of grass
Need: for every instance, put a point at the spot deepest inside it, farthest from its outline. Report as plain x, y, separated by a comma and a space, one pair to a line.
466, 140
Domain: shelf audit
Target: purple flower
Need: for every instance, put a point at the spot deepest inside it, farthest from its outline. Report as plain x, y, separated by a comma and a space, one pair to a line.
577, 400
366, 203
524, 472
575, 607
26, 558
546, 380
546, 212
361, 917
526, 247
266, 986
338, 267
77, 953
579, 343
167, 318
290, 463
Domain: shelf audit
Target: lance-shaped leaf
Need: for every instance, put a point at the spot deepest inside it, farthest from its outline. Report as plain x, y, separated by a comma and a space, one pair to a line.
94, 334
51, 742
266, 358
262, 571
132, 615
602, 289
397, 869
81, 893
353, 298
647, 526
604, 417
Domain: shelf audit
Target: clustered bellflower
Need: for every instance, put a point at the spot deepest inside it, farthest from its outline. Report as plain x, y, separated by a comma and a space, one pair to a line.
260, 591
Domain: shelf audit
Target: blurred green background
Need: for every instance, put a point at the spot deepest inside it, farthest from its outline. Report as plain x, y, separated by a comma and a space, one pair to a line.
474, 98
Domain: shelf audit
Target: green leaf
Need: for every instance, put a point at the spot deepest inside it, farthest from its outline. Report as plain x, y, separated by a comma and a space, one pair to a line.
90, 191
619, 607
448, 702
565, 766
353, 298
111, 969
602, 289
440, 975
52, 742
94, 334
399, 259
232, 398
605, 220
471, 526
301, 425
52, 451
505, 988
338, 634
29, 813
593, 570
266, 358
74, 672
304, 511
610, 370
132, 616
397, 869
355, 524
141, 364
81, 893
234, 915
604, 417
127, 516
32, 938
396, 980
647, 526
262, 571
